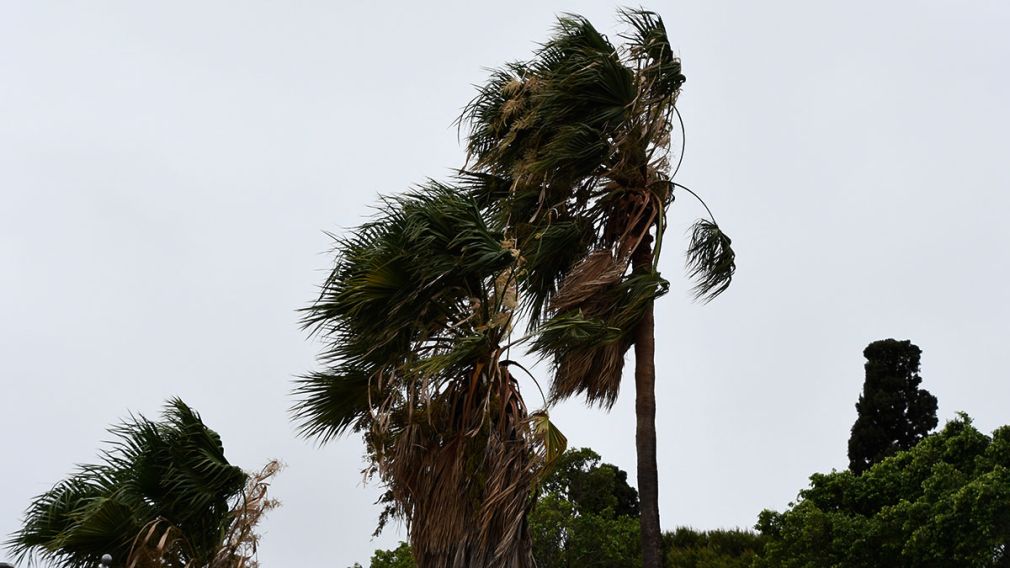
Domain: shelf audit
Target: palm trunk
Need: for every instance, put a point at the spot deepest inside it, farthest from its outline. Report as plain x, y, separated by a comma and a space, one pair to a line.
645, 413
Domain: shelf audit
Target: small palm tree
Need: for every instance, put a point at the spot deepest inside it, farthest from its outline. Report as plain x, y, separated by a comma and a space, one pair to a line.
416, 314
164, 496
569, 151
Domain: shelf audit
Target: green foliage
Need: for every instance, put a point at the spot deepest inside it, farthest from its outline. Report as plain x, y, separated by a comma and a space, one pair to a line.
688, 548
944, 502
421, 264
169, 476
710, 260
399, 557
587, 515
591, 487
894, 413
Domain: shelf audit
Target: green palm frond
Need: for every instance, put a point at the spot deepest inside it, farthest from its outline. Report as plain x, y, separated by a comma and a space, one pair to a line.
332, 401
649, 46
550, 120
404, 275
409, 289
549, 254
711, 261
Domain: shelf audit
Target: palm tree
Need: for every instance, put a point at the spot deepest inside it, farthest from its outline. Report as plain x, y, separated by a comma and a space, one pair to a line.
569, 152
415, 315
163, 496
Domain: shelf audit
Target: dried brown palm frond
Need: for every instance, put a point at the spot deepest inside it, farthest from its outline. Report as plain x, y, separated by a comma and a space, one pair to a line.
160, 544
598, 271
460, 470
587, 343
593, 371
241, 542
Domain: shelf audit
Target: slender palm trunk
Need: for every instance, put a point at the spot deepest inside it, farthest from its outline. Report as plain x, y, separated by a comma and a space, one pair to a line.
645, 413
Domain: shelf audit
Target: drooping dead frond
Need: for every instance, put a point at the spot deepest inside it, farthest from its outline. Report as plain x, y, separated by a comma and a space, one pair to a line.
460, 471
595, 273
711, 261
587, 344
239, 548
159, 544
593, 371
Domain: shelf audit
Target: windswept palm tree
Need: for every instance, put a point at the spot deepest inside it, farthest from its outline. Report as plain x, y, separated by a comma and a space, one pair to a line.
416, 316
570, 151
164, 496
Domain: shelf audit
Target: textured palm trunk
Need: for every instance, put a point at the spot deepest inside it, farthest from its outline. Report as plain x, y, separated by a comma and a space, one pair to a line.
645, 413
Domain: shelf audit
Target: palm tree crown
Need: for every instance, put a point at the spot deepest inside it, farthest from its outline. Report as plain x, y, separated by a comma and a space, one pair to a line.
164, 495
415, 314
571, 150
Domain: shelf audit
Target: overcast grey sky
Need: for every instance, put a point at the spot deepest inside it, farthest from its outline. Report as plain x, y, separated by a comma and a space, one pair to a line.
167, 172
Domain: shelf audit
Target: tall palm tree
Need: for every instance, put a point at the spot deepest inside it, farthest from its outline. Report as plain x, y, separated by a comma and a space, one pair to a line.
569, 151
164, 496
416, 316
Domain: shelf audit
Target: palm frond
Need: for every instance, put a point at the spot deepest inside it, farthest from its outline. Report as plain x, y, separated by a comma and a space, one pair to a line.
329, 402
549, 255
553, 441
711, 261
649, 47
587, 342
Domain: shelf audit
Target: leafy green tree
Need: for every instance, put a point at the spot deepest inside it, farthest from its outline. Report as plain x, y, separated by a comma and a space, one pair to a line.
399, 557
163, 496
894, 413
587, 515
416, 315
570, 151
945, 502
592, 487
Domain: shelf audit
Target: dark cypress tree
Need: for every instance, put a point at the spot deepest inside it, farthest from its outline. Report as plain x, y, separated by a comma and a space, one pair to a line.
894, 413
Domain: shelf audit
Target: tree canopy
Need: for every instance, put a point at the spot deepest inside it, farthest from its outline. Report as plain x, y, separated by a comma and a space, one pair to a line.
587, 515
944, 502
894, 413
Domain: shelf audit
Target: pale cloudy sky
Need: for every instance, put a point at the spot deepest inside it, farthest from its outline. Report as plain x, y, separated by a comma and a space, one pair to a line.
167, 171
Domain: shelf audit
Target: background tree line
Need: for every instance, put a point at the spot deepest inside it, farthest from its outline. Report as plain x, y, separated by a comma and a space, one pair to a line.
909, 498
